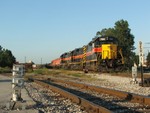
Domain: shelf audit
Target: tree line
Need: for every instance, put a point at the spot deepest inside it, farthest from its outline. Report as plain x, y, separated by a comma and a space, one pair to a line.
7, 59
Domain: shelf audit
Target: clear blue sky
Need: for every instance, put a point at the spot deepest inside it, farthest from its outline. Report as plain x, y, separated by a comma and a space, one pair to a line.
45, 29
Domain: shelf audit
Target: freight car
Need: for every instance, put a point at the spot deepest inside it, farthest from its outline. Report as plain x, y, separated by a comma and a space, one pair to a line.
101, 54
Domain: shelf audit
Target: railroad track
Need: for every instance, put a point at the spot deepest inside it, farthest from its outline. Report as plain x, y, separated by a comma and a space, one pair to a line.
97, 99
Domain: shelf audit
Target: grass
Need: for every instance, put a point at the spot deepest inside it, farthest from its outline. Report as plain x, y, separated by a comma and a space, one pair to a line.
78, 74
5, 70
54, 72
38, 72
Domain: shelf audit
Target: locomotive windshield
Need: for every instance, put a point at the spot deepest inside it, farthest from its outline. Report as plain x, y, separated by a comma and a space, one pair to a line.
108, 40
105, 40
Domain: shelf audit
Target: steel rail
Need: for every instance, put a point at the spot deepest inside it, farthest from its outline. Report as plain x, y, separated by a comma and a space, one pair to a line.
87, 105
144, 100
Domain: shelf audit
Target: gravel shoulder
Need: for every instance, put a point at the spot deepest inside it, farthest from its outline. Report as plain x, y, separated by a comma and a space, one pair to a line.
118, 83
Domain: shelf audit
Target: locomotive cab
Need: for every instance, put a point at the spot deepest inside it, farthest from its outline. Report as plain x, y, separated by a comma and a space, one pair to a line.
106, 50
109, 51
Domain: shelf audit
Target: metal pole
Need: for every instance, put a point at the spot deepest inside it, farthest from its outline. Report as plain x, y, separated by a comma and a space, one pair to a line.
25, 59
142, 79
41, 61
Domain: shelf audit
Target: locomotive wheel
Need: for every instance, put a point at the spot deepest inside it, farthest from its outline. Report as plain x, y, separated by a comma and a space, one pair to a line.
86, 70
120, 68
103, 69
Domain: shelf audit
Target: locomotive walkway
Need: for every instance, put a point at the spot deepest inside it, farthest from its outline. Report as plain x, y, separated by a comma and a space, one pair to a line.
5, 98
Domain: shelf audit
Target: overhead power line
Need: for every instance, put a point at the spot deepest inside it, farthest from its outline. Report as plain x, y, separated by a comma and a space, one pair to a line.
146, 47
147, 43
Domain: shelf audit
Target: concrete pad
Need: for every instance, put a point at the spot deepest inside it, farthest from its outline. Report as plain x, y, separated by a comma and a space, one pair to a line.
5, 89
22, 111
6, 95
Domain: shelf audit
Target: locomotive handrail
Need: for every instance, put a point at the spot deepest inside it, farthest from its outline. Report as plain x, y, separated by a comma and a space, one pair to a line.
122, 58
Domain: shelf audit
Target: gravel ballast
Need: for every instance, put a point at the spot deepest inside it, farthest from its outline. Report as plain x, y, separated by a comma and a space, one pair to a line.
119, 83
50, 102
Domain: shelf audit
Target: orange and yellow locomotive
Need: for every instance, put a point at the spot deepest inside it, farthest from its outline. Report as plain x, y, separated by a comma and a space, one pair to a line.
102, 53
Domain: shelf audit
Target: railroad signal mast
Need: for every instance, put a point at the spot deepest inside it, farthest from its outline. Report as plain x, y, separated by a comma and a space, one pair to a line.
141, 55
17, 81
141, 61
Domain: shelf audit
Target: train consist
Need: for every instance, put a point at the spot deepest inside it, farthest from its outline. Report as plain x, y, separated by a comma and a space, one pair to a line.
102, 53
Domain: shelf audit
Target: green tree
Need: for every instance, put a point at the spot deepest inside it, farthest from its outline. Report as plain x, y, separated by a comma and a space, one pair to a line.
0, 48
134, 59
122, 32
126, 40
6, 58
106, 32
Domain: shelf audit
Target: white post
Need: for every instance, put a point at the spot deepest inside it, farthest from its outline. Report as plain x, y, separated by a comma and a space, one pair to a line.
134, 74
17, 81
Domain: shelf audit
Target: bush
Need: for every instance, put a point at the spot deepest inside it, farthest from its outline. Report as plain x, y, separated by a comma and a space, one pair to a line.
5, 70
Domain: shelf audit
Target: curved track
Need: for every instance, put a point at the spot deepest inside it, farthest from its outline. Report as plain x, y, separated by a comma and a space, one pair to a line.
93, 98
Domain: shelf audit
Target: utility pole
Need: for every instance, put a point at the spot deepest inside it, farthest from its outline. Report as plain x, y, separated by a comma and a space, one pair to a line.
25, 59
41, 61
147, 43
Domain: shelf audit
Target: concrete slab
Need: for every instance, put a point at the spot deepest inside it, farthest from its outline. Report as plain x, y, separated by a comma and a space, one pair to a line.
5, 90
6, 95
22, 111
